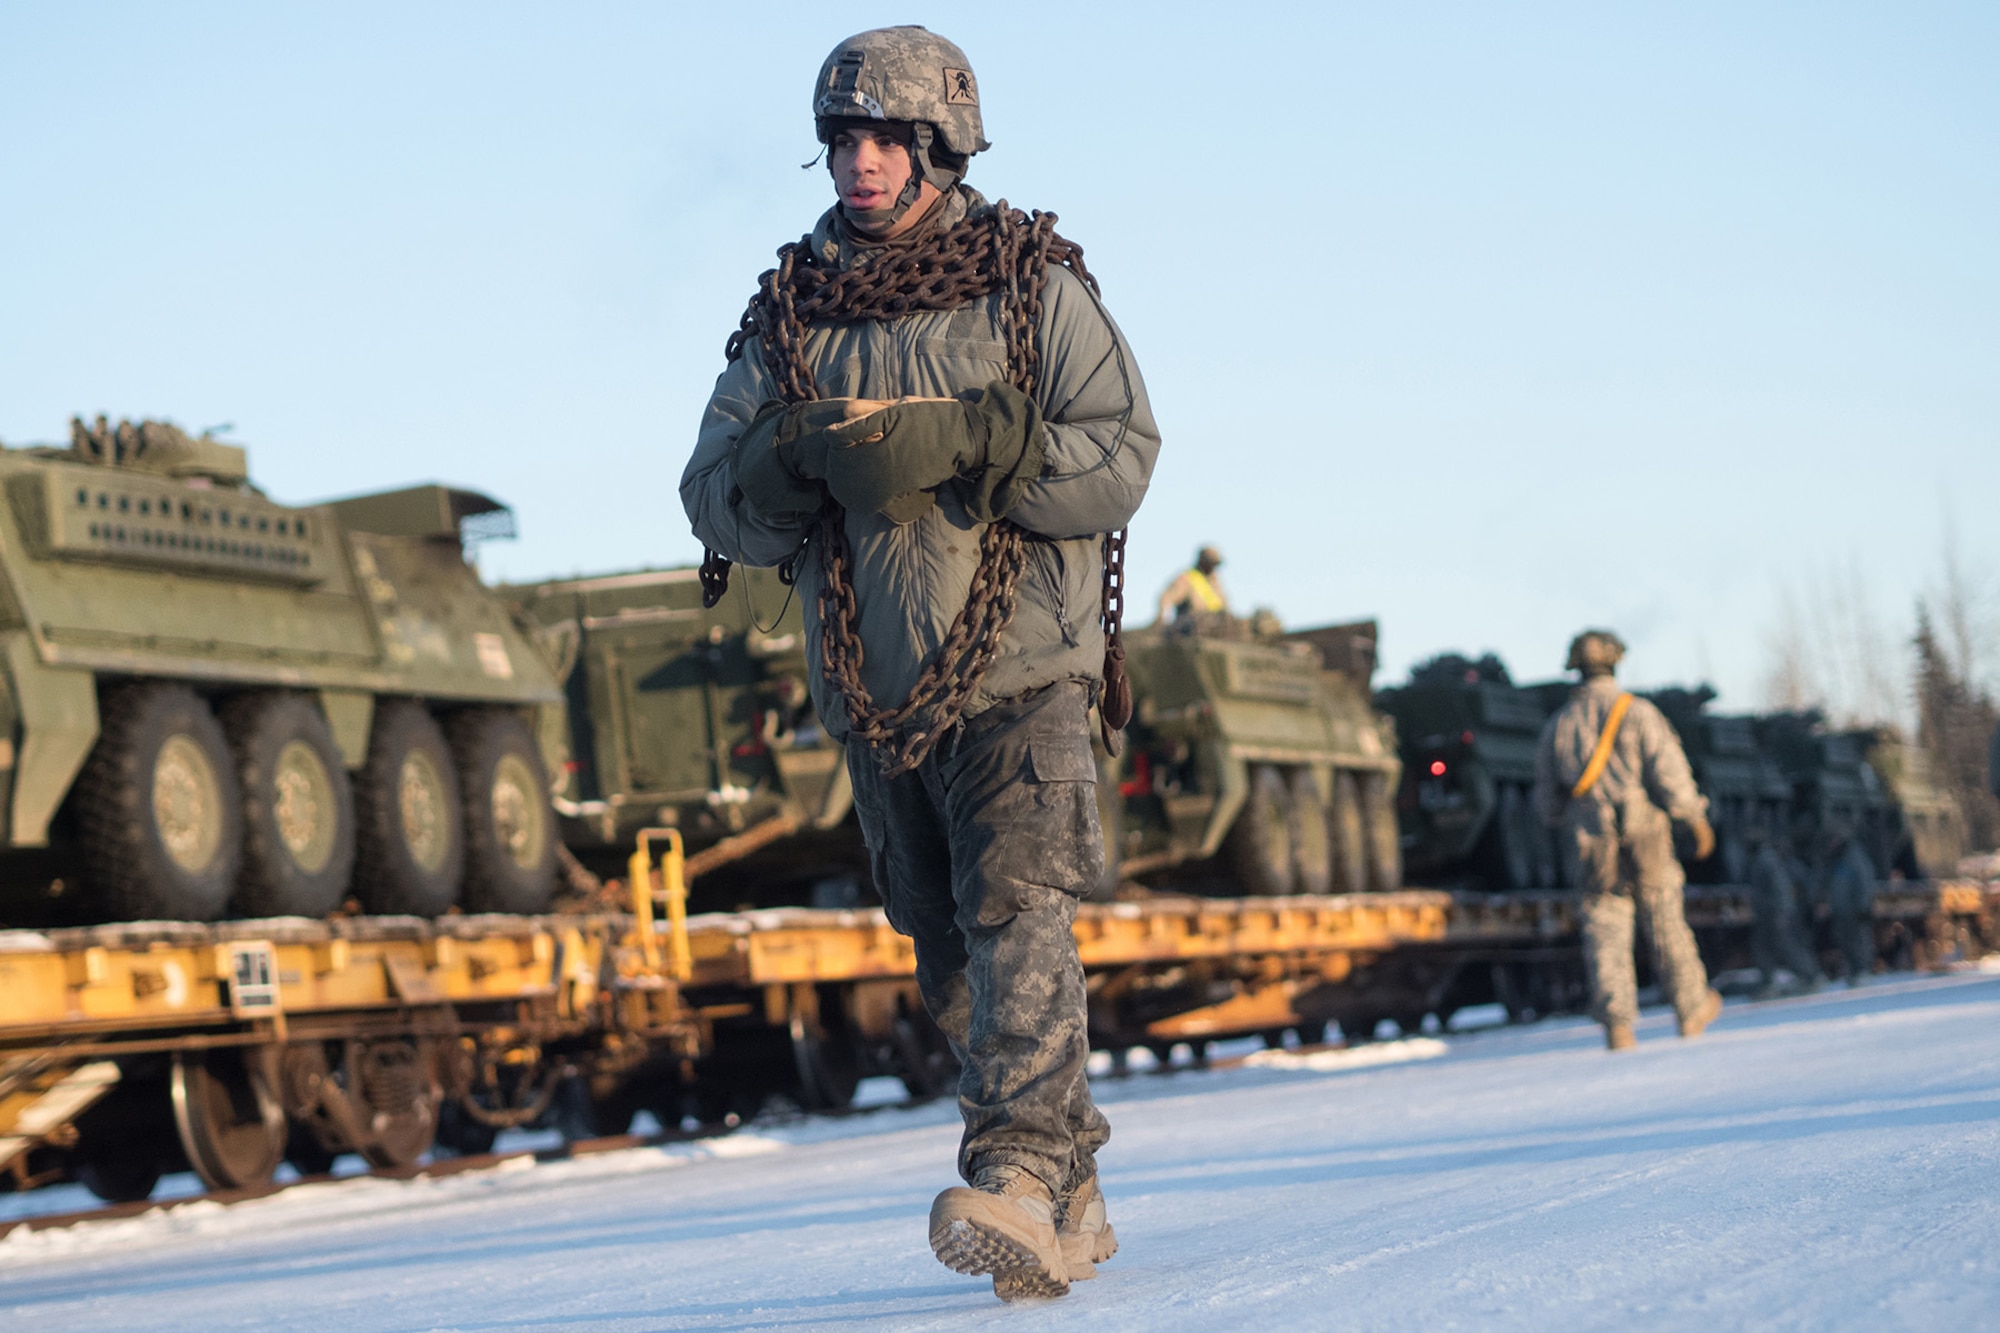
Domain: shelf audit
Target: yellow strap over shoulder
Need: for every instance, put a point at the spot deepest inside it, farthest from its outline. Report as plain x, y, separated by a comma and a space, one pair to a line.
1602, 754
1207, 597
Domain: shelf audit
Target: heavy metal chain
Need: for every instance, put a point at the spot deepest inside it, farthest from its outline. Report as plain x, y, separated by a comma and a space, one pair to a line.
998, 250
1114, 710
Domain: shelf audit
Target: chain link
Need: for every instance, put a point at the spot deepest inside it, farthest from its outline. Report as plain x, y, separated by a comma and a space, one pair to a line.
999, 250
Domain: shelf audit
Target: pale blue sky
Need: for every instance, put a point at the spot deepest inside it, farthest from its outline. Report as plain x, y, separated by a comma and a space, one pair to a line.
1490, 320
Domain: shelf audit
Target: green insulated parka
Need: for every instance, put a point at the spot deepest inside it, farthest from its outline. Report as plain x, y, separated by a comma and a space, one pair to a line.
911, 580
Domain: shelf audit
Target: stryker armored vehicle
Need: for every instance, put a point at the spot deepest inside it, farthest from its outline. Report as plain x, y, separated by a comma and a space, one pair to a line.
1746, 789
1469, 735
215, 703
1868, 783
1258, 753
697, 719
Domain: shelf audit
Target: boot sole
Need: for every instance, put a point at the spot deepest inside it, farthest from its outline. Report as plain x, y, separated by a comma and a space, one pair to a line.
966, 1246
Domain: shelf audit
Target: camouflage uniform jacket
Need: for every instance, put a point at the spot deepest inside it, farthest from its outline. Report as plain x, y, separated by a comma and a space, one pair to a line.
911, 580
1646, 782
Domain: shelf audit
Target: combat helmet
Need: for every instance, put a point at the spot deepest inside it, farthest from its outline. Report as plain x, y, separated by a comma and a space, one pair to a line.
1595, 652
910, 80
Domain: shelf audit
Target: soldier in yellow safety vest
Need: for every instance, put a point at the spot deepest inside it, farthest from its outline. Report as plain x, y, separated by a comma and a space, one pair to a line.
1197, 592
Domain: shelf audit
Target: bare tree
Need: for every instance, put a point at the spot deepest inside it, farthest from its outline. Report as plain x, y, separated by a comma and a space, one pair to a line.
1827, 649
1954, 720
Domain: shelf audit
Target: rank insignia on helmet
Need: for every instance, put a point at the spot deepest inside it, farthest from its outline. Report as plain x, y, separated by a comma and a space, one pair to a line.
959, 89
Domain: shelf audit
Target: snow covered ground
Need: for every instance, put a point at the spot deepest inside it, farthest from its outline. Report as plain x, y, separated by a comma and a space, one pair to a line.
1825, 1162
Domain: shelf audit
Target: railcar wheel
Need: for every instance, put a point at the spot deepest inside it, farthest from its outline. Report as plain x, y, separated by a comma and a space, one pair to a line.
409, 842
1350, 835
298, 807
125, 1173
510, 834
229, 1120
1260, 841
924, 1061
1312, 850
159, 821
308, 1153
1385, 837
828, 1070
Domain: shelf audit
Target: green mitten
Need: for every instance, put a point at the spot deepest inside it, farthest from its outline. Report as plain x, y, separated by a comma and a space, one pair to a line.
1010, 426
898, 454
781, 457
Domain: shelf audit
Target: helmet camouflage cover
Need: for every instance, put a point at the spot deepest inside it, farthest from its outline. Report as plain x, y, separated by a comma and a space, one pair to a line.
902, 74
1594, 652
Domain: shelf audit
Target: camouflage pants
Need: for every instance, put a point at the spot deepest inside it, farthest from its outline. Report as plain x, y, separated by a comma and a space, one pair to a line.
1777, 939
1626, 877
981, 856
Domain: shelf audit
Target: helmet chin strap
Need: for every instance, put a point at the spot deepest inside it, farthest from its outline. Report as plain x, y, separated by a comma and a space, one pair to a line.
875, 221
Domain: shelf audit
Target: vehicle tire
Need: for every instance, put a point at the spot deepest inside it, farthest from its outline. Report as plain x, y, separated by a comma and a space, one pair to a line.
1312, 853
159, 821
1260, 841
510, 827
298, 807
1385, 837
1350, 835
409, 843
1511, 859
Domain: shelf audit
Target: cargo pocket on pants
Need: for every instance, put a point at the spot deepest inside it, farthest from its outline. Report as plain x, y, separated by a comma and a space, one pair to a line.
1052, 839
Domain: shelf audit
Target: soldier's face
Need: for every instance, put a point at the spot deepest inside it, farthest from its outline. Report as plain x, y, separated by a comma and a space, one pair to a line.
870, 170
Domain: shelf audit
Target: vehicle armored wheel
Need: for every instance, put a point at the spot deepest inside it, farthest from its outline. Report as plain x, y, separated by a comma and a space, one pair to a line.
230, 1121
409, 839
158, 819
1312, 853
1260, 841
510, 833
298, 807
1349, 823
1385, 838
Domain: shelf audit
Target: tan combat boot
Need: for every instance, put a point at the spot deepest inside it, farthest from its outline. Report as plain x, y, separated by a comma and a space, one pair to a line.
1619, 1037
1696, 1023
1004, 1225
1086, 1234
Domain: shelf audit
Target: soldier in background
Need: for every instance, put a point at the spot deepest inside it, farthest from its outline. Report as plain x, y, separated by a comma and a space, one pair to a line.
1850, 902
1777, 938
1610, 774
1197, 593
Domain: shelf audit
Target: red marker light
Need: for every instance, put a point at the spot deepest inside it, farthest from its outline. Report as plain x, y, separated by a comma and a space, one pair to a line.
1437, 768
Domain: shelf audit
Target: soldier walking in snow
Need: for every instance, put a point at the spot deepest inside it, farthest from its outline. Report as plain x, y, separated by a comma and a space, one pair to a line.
930, 421
1850, 902
1777, 938
1610, 774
